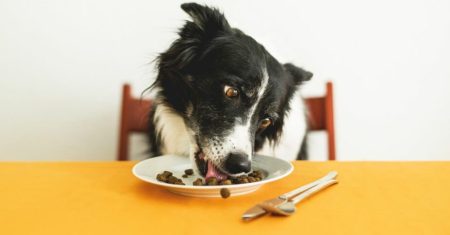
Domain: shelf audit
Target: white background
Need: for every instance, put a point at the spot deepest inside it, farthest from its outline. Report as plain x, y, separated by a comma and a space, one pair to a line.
62, 64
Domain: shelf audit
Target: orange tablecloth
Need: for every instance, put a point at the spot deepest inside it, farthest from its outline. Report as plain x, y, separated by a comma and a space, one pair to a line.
105, 198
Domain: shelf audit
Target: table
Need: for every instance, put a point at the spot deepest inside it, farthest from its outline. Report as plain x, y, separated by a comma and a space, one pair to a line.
105, 198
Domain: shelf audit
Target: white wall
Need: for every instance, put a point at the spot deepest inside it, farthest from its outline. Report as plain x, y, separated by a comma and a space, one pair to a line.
62, 64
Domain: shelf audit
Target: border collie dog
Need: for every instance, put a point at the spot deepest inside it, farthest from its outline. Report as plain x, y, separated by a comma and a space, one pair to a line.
221, 97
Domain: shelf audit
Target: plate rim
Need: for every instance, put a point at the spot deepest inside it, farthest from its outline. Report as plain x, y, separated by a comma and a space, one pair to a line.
211, 187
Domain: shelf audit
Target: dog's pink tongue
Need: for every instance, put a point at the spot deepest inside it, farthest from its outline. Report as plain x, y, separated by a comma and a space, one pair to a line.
213, 172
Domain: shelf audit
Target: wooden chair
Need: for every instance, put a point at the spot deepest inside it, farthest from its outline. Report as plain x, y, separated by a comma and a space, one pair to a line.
134, 118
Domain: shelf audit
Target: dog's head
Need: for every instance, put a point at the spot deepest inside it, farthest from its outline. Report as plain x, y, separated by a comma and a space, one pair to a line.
231, 93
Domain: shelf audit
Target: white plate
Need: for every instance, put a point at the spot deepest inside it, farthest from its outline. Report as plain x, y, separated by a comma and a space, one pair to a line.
146, 170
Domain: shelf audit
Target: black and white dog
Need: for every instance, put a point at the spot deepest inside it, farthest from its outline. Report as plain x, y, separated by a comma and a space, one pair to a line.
221, 97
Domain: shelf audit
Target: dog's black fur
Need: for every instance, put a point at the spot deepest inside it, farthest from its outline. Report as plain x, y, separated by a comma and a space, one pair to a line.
208, 55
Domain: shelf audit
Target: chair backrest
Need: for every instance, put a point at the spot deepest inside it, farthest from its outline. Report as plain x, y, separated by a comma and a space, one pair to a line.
134, 118
321, 117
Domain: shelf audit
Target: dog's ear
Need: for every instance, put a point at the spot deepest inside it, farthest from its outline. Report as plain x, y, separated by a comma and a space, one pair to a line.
298, 74
209, 20
207, 24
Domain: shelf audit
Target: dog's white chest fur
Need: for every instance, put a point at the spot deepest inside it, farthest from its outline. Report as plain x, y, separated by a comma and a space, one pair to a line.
175, 139
170, 126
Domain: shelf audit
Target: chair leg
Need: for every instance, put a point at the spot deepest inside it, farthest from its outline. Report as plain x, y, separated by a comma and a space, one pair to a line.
330, 121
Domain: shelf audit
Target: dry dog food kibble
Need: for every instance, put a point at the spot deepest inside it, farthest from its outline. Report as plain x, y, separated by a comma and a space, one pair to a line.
164, 176
225, 182
168, 177
224, 192
211, 181
198, 182
256, 174
189, 172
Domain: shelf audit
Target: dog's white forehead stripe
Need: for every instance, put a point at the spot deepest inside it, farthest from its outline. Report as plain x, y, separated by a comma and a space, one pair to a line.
263, 87
240, 135
261, 90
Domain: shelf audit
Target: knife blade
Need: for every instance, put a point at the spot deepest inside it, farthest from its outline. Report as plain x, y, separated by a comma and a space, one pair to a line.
257, 211
253, 213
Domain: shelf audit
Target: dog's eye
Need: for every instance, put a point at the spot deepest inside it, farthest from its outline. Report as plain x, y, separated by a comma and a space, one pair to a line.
231, 92
265, 123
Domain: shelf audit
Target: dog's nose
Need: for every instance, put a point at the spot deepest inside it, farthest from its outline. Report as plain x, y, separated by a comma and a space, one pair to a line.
237, 163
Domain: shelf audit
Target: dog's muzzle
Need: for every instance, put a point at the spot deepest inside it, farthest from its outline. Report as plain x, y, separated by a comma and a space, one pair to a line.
234, 164
237, 163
